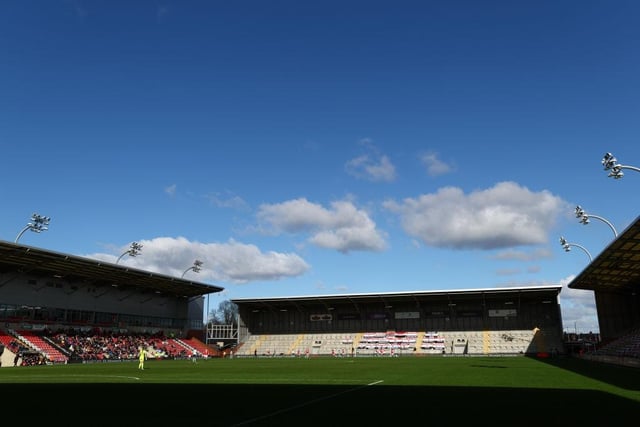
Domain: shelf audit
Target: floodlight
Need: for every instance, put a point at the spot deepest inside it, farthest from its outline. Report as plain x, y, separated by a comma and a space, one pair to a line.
611, 164
38, 224
567, 247
584, 219
196, 267
133, 251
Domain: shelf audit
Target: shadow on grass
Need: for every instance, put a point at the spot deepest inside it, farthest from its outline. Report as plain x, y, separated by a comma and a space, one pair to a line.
297, 405
621, 376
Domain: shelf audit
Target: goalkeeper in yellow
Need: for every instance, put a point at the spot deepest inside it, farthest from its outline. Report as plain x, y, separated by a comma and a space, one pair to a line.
142, 355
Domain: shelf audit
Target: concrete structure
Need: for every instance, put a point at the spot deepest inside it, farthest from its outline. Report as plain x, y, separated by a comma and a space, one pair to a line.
41, 288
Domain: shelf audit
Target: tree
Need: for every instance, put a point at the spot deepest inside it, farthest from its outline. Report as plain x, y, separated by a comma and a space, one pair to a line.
225, 314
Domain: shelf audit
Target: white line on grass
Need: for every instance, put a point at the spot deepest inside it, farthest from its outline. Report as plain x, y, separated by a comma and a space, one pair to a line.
34, 377
310, 402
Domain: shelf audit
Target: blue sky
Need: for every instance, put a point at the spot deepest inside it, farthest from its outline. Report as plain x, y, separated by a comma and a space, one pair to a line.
311, 148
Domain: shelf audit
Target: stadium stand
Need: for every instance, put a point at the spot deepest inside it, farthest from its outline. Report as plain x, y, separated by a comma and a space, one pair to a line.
399, 343
614, 277
47, 293
493, 321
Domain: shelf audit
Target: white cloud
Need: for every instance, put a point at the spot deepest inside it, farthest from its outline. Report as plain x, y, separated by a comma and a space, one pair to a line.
228, 200
434, 165
533, 269
518, 255
508, 271
578, 309
499, 217
232, 261
372, 165
342, 227
171, 190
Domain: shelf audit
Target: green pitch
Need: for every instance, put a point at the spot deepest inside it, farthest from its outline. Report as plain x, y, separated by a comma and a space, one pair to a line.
330, 391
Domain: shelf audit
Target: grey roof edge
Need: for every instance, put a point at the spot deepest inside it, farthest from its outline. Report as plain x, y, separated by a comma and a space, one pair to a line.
505, 289
109, 265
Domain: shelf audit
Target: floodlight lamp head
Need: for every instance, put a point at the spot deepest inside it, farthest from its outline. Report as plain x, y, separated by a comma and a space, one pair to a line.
39, 219
616, 172
134, 250
608, 161
565, 245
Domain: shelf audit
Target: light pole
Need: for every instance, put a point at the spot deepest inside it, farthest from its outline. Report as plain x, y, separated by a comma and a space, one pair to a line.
38, 224
584, 219
611, 164
134, 250
567, 247
196, 267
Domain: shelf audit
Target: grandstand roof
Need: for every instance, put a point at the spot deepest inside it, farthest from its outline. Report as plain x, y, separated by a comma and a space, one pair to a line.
30, 260
387, 298
617, 267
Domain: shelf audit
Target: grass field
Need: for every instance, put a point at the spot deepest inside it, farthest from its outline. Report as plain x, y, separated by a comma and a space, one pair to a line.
474, 391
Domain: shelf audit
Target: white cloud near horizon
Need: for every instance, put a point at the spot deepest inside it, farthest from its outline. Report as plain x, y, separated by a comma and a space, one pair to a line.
519, 255
232, 261
578, 308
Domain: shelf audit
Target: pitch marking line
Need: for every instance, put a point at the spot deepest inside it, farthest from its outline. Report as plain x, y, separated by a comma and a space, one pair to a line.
34, 377
310, 402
